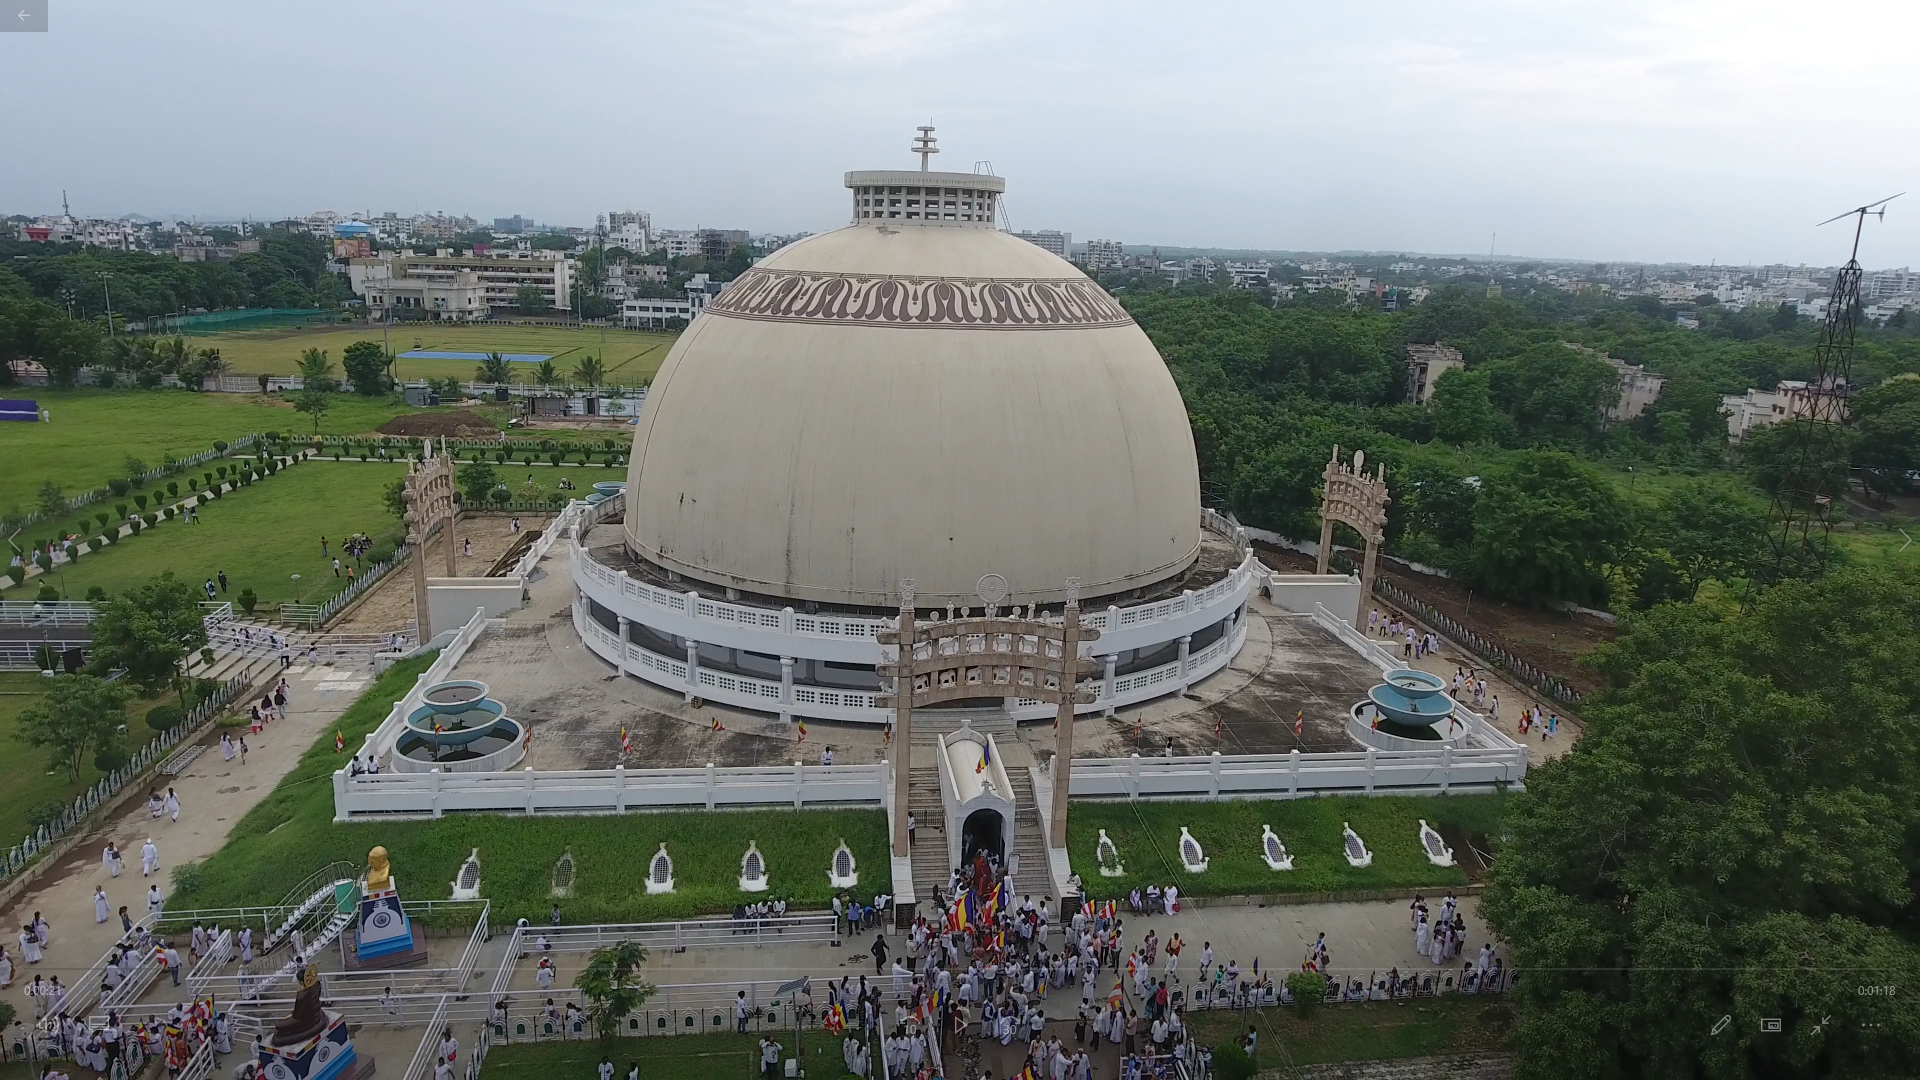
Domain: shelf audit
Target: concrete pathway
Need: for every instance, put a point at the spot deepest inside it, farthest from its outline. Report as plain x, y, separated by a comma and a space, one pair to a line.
214, 794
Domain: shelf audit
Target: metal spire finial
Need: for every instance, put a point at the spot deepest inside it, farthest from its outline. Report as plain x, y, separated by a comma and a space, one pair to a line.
924, 146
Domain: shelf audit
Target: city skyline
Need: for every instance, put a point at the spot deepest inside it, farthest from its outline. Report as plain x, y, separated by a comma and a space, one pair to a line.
1638, 134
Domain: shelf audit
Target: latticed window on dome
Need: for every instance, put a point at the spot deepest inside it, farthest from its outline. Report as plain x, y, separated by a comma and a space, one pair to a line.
466, 883
1107, 856
562, 878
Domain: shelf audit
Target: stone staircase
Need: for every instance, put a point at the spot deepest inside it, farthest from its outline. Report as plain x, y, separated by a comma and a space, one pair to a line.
930, 866
1033, 879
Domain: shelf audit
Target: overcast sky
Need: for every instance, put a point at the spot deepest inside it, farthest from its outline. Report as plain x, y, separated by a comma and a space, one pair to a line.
1628, 130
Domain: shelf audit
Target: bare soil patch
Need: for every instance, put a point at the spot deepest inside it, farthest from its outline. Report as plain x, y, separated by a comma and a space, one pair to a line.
453, 425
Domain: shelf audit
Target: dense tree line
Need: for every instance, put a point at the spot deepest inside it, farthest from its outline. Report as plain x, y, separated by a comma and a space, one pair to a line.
1733, 836
289, 270
1509, 476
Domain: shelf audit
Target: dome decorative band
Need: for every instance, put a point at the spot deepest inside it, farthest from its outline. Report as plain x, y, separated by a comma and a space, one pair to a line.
991, 304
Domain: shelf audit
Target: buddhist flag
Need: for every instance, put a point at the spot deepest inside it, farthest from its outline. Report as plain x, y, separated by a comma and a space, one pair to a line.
1219, 727
886, 735
985, 755
1119, 995
718, 726
339, 741
1299, 721
526, 741
1137, 729
801, 727
626, 741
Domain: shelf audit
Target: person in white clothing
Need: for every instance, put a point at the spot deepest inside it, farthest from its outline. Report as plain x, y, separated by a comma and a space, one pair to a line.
154, 900
1171, 898
110, 859
102, 909
29, 945
173, 804
149, 858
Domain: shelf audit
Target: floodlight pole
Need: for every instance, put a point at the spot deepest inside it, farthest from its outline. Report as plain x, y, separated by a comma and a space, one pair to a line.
903, 724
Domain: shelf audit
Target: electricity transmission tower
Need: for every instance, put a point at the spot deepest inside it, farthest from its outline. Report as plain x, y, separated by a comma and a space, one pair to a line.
1813, 469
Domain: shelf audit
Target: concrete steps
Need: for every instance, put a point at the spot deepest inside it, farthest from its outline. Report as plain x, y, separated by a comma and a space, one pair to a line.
1033, 878
930, 865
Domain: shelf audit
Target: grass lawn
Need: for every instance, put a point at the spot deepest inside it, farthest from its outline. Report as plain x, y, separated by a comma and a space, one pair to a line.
675, 1057
1873, 545
291, 832
1369, 1032
24, 773
93, 431
631, 356
260, 534
1229, 833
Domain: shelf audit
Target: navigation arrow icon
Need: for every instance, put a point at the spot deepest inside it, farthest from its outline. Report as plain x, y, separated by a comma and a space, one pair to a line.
25, 15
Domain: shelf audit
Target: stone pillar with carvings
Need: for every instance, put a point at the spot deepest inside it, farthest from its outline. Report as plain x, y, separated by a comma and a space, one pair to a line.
903, 720
1063, 717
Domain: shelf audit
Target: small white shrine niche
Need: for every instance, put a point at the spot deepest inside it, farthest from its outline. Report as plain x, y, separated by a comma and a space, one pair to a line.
466, 883
841, 872
561, 882
660, 872
1357, 854
1438, 853
1272, 850
1107, 856
753, 869
1192, 859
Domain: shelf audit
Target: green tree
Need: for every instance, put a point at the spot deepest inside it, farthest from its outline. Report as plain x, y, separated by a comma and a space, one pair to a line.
1887, 420
494, 369
1556, 396
366, 367
1732, 836
315, 403
50, 499
394, 497
316, 371
1801, 460
590, 371
612, 986
477, 481
1545, 526
1709, 530
1463, 410
79, 715
546, 374
530, 300
148, 631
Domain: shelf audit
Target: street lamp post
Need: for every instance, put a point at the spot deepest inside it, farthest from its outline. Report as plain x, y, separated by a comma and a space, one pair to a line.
296, 588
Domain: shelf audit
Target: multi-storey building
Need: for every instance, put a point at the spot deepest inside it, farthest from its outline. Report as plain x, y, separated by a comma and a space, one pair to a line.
1105, 255
460, 287
1060, 243
1425, 365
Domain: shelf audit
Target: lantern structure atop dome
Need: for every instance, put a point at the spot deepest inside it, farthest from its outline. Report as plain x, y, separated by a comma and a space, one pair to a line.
905, 197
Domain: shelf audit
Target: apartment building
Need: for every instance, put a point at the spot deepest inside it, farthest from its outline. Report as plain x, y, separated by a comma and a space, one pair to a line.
460, 287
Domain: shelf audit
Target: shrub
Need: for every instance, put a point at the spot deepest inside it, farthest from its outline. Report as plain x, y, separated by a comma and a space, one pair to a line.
47, 594
188, 878
103, 517
219, 446
45, 562
140, 501
500, 457
193, 484
118, 486
248, 600
45, 815
1230, 1063
273, 436
206, 657
17, 573
546, 444
71, 551
151, 519
134, 524
95, 592
162, 717
167, 513
208, 478
111, 754
220, 471
1307, 988
120, 511
173, 489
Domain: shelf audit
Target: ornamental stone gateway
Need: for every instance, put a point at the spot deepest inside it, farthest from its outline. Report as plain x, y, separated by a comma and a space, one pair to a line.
1352, 498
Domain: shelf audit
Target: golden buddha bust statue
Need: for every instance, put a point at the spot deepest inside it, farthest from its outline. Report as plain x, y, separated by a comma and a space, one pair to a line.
379, 877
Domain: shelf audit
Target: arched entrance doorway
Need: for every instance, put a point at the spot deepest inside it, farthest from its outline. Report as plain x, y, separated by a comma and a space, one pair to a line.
984, 831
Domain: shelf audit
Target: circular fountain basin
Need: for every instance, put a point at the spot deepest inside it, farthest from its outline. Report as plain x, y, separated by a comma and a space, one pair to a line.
610, 488
456, 727
1411, 703
454, 696
597, 498
428, 749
